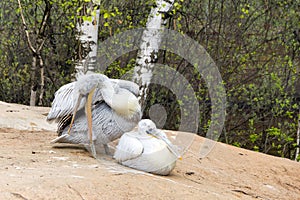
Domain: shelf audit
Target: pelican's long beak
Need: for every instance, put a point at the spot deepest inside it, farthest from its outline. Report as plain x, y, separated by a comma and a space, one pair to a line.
88, 110
156, 133
74, 112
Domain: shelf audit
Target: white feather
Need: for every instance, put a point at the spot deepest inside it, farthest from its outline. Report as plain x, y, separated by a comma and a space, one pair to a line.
63, 103
128, 148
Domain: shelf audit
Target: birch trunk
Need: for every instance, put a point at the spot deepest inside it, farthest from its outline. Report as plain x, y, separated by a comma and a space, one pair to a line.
33, 82
149, 47
298, 138
88, 37
42, 82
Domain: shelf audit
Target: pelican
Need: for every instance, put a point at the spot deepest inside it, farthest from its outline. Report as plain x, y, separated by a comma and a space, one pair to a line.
95, 110
148, 150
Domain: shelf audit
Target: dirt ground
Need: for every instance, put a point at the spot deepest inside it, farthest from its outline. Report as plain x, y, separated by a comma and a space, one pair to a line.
32, 168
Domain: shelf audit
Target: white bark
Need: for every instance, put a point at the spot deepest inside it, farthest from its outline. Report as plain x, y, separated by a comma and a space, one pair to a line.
89, 39
298, 137
149, 47
32, 97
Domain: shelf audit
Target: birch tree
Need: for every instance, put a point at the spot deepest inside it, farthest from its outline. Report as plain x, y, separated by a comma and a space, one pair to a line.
149, 46
298, 139
88, 36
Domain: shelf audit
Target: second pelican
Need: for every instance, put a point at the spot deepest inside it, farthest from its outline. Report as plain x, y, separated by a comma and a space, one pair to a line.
148, 150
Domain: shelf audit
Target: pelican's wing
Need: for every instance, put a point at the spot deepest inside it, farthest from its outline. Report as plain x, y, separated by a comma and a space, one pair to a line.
66, 98
128, 148
63, 103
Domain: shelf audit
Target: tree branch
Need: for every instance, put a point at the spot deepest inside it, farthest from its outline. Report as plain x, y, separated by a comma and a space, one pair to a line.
41, 31
26, 29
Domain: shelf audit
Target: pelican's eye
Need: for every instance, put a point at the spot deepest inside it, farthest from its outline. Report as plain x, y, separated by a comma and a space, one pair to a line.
149, 131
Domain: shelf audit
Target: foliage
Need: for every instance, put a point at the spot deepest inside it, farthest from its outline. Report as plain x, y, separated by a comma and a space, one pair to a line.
256, 45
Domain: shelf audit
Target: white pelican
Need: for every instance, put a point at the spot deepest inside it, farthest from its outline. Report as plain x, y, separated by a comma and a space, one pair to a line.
111, 109
148, 150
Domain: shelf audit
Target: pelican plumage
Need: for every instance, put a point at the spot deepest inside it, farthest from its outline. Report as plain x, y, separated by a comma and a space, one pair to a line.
148, 149
102, 110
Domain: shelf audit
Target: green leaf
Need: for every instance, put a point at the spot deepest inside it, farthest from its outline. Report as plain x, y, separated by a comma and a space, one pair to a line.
106, 15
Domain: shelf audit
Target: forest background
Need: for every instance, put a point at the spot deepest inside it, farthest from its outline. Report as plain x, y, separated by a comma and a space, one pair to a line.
255, 44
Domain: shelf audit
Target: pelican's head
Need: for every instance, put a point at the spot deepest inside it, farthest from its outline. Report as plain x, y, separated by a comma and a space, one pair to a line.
147, 126
86, 82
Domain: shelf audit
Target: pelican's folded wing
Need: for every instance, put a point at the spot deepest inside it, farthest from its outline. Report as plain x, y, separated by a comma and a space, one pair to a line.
63, 103
128, 148
66, 98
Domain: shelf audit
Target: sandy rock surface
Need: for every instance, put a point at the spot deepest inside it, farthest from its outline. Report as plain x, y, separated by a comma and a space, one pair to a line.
32, 168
